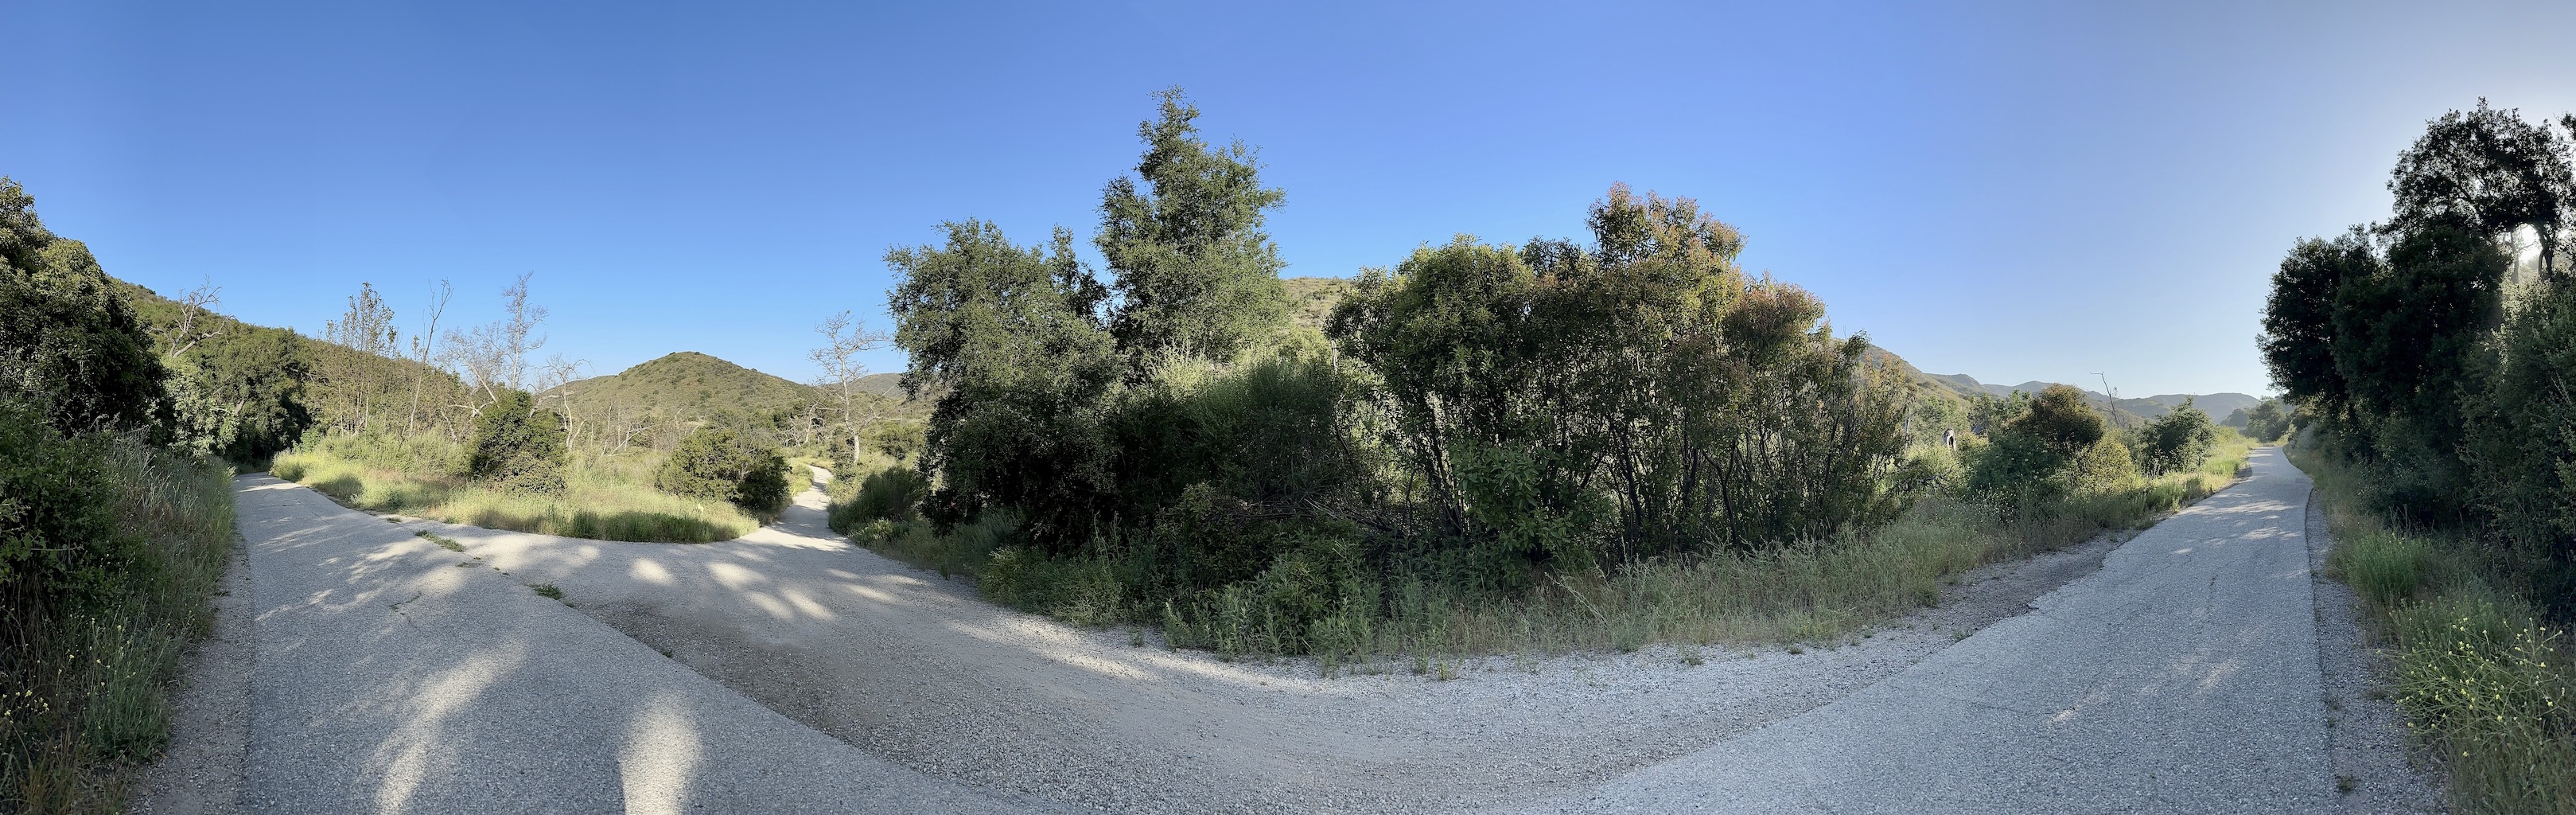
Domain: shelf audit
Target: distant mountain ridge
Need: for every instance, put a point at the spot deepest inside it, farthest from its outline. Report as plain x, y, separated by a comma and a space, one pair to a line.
2217, 405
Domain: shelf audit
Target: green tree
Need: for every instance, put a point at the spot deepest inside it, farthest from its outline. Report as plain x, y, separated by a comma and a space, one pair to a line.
518, 445
70, 344
2179, 440
2298, 339
719, 464
1196, 275
1644, 368
1010, 339
2486, 172
2267, 421
240, 394
2061, 421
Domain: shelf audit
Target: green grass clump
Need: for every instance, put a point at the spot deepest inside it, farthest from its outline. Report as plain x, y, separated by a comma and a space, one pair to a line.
605, 497
2477, 673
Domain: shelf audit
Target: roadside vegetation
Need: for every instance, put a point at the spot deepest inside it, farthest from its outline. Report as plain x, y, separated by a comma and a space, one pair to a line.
114, 525
1548, 446
470, 430
2429, 359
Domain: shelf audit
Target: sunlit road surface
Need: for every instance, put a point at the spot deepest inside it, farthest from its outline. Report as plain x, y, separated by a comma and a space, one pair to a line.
2181, 678
389, 680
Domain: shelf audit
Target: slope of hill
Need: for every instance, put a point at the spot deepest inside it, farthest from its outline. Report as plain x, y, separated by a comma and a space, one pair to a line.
692, 387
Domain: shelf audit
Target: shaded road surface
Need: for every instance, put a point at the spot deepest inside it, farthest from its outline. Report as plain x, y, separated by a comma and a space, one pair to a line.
2183, 677
386, 679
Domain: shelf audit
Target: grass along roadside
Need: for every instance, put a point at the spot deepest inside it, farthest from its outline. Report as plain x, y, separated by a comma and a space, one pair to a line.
605, 497
84, 696
1805, 593
2481, 678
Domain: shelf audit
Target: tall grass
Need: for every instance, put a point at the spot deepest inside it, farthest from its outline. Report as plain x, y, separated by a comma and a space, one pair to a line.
605, 497
2478, 674
1819, 591
86, 696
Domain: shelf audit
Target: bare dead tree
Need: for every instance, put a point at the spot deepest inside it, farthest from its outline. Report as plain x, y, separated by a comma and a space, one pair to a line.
422, 344
494, 357
185, 334
845, 339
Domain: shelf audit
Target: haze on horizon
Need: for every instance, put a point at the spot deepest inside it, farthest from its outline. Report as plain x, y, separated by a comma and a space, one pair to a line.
2010, 191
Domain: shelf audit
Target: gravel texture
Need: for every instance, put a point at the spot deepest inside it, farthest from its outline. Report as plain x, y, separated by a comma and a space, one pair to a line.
385, 679
916, 669
200, 771
2181, 678
2184, 676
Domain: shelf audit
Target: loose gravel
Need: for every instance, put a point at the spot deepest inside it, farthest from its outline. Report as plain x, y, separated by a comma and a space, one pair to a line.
386, 680
2183, 677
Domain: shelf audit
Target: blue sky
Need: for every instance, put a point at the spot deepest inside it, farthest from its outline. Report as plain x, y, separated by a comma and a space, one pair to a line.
2013, 191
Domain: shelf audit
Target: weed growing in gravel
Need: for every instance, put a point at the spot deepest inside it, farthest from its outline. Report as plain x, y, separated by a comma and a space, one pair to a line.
548, 590
443, 543
2477, 673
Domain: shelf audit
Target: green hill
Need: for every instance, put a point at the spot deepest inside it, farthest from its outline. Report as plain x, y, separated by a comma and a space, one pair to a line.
689, 386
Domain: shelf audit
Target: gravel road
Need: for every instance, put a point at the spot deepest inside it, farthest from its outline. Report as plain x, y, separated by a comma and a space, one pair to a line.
2183, 677
803, 674
386, 679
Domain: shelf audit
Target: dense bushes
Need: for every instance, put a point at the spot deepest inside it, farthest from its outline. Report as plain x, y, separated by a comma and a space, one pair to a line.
70, 345
133, 541
2425, 353
59, 543
1476, 426
2177, 441
110, 544
2055, 447
720, 465
518, 445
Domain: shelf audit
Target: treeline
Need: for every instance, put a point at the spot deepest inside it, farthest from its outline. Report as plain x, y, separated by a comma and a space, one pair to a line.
1169, 445
2430, 358
113, 533
2434, 350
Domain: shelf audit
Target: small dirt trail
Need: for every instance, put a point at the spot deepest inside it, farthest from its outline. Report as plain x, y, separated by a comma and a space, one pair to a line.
2183, 677
391, 680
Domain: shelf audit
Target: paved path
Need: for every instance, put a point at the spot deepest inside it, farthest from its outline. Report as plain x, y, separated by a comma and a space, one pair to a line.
388, 680
2181, 678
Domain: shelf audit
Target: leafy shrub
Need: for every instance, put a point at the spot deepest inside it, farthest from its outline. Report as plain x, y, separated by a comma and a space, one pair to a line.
59, 541
893, 494
70, 345
2177, 441
719, 464
2267, 422
518, 445
1317, 596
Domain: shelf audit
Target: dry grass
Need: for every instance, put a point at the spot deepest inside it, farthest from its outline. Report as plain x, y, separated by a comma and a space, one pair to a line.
605, 498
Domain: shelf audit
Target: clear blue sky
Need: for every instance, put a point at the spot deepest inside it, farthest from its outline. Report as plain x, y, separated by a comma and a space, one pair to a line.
2013, 191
